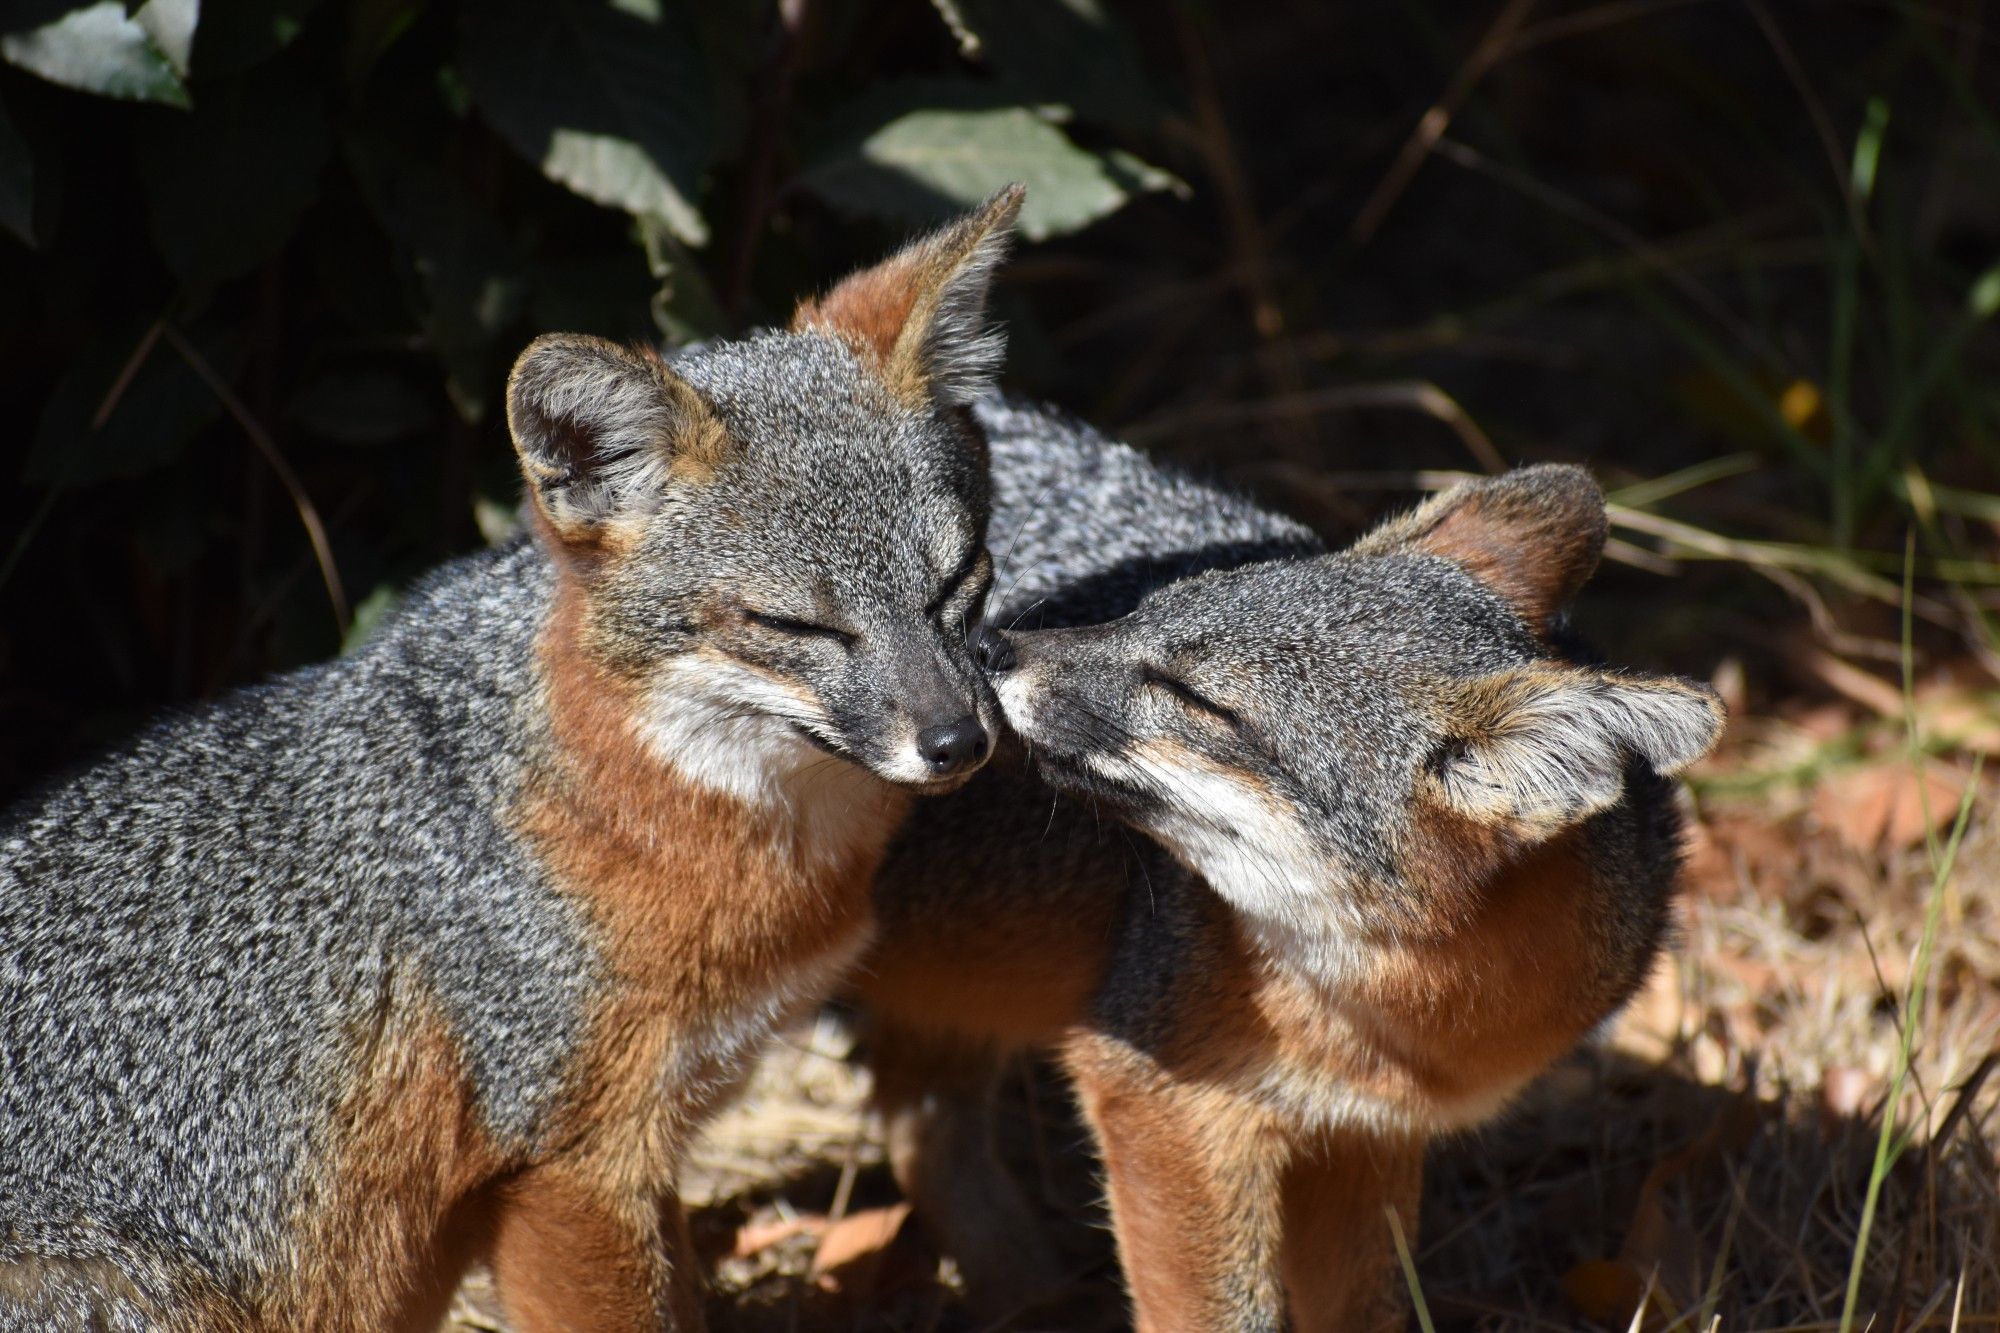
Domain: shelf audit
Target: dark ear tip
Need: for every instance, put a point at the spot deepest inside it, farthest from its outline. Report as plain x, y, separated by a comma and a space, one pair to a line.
1554, 486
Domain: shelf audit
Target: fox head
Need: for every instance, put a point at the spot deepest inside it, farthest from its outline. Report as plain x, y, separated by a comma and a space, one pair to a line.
779, 542
1345, 732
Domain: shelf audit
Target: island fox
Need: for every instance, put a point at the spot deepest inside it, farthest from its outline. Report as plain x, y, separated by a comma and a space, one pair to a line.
445, 948
1403, 856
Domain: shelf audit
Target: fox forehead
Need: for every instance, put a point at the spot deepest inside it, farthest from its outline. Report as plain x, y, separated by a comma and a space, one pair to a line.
1332, 628
833, 477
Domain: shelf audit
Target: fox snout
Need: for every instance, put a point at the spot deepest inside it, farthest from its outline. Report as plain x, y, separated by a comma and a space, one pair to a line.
953, 747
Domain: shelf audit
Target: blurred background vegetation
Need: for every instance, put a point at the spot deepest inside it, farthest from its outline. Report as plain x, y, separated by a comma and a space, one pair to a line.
265, 264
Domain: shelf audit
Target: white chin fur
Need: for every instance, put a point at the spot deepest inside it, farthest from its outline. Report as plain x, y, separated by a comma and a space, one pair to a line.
719, 725
1249, 850
1017, 703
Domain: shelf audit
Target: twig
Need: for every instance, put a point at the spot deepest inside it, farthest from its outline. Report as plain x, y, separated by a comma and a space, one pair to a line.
1829, 142
308, 515
126, 375
1416, 395
1591, 20
774, 99
1249, 247
1431, 126
1651, 255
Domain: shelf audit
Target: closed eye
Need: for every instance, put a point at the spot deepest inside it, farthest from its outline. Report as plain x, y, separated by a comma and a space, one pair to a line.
974, 561
1192, 697
798, 629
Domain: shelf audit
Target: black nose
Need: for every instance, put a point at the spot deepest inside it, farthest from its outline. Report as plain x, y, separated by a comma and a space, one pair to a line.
953, 747
991, 650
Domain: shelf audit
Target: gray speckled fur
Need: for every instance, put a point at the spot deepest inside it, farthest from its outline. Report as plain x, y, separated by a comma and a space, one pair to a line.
172, 1056
1084, 526
202, 933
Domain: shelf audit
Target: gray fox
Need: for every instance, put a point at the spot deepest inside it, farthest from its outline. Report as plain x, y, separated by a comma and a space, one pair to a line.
1403, 855
446, 947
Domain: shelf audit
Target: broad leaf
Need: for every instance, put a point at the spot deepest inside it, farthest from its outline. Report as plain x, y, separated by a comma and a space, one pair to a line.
17, 182
27, 15
462, 270
613, 102
226, 184
933, 161
1067, 51
171, 25
236, 35
160, 410
100, 49
364, 405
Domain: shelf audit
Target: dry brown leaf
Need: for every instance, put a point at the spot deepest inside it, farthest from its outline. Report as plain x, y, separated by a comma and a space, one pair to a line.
1727, 850
851, 1249
1844, 1093
1880, 808
755, 1237
1967, 717
1608, 1291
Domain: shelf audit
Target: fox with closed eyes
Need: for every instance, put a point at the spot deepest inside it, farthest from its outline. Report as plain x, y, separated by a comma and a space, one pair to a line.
1400, 854
445, 949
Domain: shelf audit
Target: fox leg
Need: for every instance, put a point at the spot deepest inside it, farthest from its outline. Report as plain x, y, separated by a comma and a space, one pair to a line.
1194, 1174
570, 1255
936, 1099
1338, 1255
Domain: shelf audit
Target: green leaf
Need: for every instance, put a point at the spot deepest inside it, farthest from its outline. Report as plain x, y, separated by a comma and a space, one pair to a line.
226, 185
373, 26
99, 49
17, 182
1067, 51
684, 305
461, 269
163, 407
364, 405
26, 15
931, 162
171, 25
612, 101
236, 35
375, 608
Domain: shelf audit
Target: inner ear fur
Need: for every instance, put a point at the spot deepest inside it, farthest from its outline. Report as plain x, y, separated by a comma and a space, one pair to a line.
1532, 535
602, 430
918, 318
1543, 747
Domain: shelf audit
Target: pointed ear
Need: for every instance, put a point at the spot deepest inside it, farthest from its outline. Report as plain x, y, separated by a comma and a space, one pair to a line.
918, 318
603, 430
1532, 535
1545, 746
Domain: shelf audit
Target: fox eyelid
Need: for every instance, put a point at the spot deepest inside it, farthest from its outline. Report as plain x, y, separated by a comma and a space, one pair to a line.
802, 629
1190, 696
966, 566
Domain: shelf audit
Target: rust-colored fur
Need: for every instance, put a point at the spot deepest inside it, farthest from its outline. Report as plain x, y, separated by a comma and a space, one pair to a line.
1262, 1104
1431, 1032
705, 909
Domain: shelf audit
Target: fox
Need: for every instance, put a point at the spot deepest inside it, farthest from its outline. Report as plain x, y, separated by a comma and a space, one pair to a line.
1401, 852
443, 950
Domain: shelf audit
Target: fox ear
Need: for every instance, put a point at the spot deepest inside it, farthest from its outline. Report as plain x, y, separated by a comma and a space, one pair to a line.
1544, 747
603, 430
918, 318
1532, 535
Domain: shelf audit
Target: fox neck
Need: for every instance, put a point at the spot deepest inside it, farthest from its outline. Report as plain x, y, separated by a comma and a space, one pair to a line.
1280, 891
692, 826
